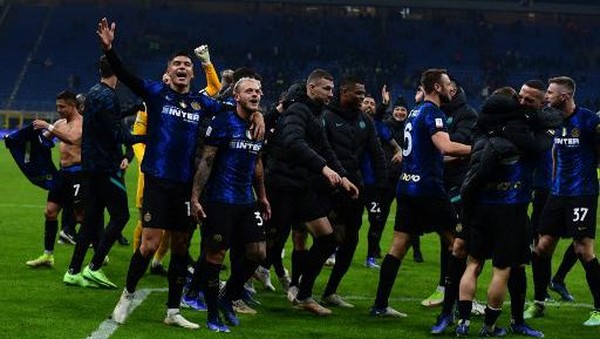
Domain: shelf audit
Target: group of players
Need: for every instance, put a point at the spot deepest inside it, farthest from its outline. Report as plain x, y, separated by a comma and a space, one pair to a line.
467, 177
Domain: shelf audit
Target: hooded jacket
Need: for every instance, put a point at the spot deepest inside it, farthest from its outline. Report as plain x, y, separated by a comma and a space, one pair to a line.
460, 121
505, 129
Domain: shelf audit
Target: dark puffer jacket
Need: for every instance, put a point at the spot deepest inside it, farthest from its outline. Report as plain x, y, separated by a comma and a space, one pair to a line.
299, 149
505, 129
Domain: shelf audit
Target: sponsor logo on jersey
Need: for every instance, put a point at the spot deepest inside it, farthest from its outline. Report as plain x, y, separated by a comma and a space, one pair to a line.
178, 112
410, 177
569, 142
504, 186
247, 145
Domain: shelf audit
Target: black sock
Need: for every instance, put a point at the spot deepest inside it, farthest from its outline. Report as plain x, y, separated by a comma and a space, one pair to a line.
240, 273
387, 277
517, 287
322, 248
176, 278
568, 261
456, 269
50, 230
111, 233
542, 271
491, 315
592, 275
416, 245
196, 282
137, 267
444, 257
464, 309
210, 284
343, 260
298, 263
274, 259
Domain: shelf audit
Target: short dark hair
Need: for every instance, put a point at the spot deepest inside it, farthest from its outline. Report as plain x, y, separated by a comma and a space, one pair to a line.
68, 97
506, 91
350, 81
245, 72
565, 82
177, 54
431, 77
105, 68
319, 74
536, 84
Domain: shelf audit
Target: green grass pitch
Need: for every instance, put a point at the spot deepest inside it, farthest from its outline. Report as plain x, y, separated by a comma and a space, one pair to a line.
34, 303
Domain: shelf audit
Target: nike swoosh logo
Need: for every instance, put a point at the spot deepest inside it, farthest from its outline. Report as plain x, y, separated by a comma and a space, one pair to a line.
339, 124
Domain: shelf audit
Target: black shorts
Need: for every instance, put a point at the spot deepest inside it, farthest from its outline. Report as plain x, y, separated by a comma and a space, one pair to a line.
348, 211
500, 232
371, 198
225, 220
295, 208
69, 191
166, 204
570, 216
417, 215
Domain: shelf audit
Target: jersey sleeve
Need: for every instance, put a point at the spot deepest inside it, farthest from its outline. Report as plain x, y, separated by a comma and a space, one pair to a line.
383, 132
594, 125
217, 133
213, 85
434, 120
213, 107
139, 128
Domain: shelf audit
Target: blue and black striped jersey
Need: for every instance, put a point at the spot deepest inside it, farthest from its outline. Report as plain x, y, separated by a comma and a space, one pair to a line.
422, 167
576, 157
234, 166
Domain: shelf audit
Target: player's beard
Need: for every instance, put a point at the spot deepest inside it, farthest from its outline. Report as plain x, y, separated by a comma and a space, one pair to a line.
444, 99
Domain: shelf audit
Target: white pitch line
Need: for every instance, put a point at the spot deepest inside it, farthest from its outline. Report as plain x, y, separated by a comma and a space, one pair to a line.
109, 326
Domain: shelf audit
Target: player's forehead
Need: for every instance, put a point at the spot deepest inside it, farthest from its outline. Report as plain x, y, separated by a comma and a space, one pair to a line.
323, 82
368, 100
529, 92
445, 80
63, 102
181, 59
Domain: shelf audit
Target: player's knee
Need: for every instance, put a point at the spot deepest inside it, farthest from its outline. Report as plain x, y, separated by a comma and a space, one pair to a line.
215, 256
51, 214
583, 251
458, 248
148, 247
256, 256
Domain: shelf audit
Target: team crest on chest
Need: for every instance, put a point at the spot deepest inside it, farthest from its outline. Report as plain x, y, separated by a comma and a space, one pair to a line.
195, 105
575, 133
